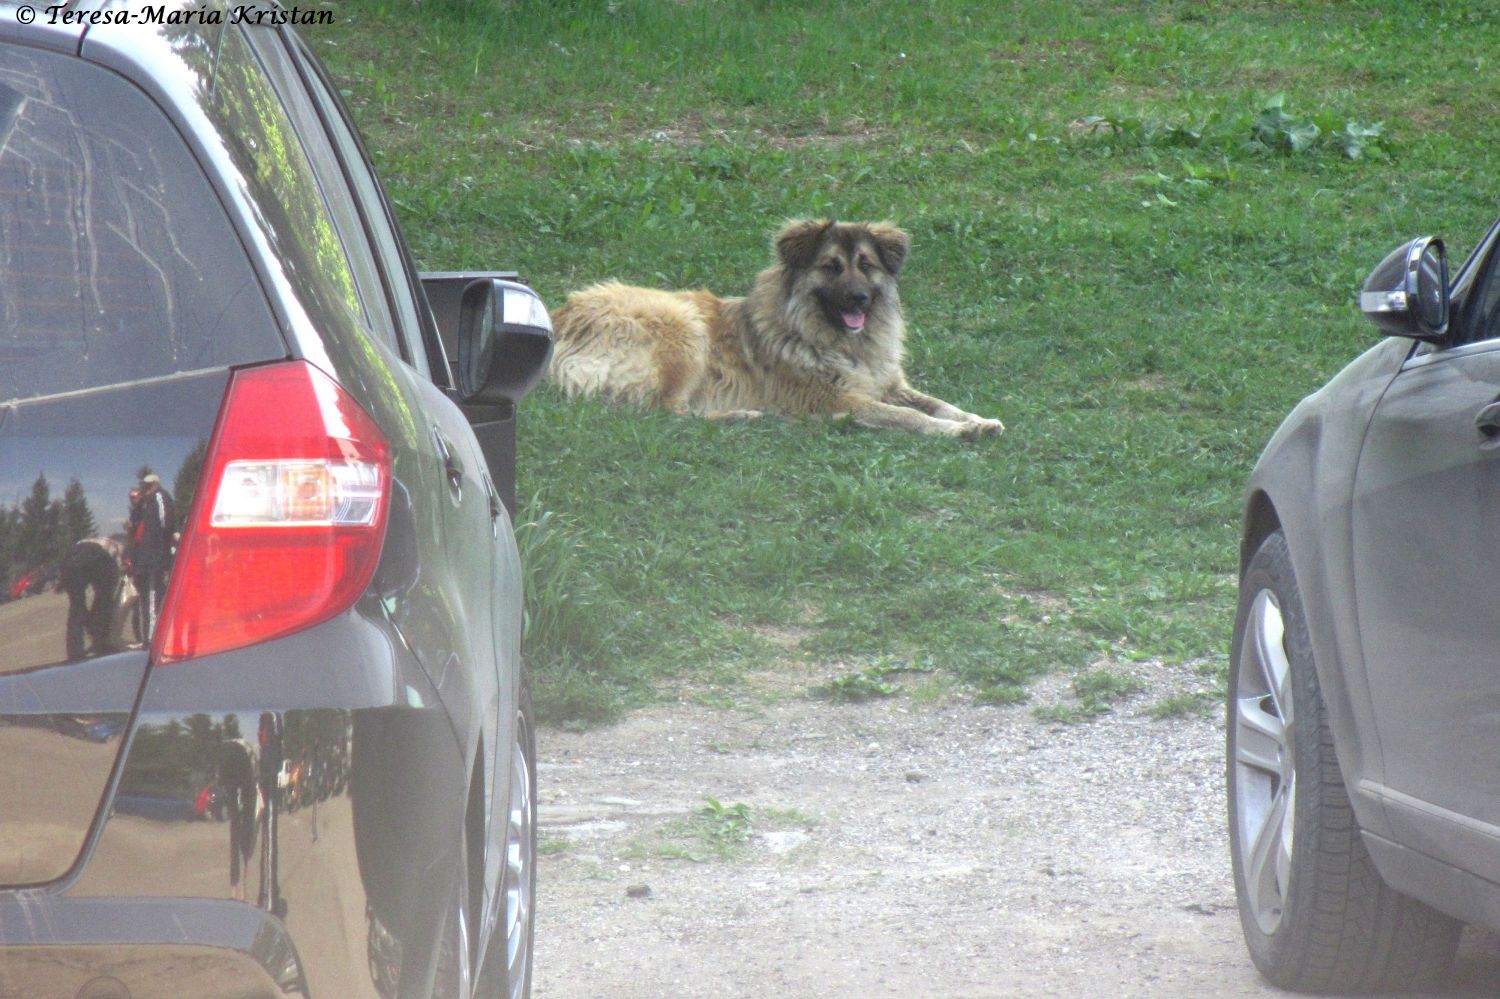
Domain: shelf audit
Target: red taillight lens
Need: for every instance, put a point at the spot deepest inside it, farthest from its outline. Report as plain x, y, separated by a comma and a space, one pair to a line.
288, 520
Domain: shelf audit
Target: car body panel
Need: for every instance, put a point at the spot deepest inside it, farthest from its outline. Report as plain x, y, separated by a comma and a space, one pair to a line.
190, 962
1306, 474
1426, 503
1443, 886
341, 823
94, 442
59, 37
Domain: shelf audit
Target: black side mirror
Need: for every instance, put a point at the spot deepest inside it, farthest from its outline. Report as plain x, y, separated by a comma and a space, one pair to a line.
504, 341
1407, 294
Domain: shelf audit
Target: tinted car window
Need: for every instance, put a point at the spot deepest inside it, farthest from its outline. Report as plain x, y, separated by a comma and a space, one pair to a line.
315, 146
373, 204
260, 139
117, 262
1480, 318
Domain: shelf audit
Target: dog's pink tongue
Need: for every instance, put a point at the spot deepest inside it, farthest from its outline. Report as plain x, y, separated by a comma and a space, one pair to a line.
854, 320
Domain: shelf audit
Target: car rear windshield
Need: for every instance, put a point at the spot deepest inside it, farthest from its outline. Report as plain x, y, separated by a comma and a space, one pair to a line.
117, 262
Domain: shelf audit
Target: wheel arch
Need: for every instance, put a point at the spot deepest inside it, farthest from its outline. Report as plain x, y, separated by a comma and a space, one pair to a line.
1322, 562
1261, 520
474, 850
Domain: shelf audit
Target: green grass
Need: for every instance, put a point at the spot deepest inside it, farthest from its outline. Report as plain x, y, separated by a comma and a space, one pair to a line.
1094, 693
715, 831
1199, 703
869, 684
1127, 244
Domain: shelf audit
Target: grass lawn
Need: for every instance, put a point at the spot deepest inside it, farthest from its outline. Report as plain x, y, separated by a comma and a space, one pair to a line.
1138, 234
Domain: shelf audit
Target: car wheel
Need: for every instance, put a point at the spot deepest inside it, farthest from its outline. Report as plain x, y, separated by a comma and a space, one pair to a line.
506, 968
520, 856
1316, 915
455, 972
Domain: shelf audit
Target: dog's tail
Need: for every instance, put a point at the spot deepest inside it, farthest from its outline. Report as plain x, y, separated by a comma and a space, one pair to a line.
578, 370
609, 340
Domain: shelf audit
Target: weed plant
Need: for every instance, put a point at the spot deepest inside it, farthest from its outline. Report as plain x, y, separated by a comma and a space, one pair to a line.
1125, 244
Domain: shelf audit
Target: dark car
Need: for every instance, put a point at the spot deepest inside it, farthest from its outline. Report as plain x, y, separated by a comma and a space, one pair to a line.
1364, 690
286, 570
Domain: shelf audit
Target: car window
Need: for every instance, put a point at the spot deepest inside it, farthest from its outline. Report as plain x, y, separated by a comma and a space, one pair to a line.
409, 300
259, 137
117, 260
369, 287
1480, 316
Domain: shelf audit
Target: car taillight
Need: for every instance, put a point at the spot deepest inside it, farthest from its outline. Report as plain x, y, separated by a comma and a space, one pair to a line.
287, 524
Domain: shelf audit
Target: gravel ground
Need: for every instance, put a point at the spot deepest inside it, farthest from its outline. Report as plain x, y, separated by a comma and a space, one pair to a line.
906, 847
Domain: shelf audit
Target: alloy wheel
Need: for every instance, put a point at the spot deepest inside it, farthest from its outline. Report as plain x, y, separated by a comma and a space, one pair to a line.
1265, 776
520, 842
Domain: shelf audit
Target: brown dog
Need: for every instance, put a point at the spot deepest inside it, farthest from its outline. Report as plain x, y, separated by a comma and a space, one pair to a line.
819, 334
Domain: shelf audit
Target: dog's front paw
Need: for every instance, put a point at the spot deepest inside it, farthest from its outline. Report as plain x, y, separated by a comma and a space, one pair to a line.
966, 430
977, 427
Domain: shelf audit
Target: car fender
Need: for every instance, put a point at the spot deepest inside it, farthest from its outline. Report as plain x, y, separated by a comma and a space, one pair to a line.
1303, 483
507, 620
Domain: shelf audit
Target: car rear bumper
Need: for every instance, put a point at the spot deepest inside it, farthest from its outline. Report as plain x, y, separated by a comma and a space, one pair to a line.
280, 822
143, 948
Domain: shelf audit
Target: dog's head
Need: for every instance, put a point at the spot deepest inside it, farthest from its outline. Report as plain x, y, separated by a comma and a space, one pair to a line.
848, 268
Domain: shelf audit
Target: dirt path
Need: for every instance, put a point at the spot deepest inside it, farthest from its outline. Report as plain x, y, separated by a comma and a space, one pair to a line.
894, 849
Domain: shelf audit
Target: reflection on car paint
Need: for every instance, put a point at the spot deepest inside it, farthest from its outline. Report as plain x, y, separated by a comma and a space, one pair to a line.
68, 760
208, 804
102, 480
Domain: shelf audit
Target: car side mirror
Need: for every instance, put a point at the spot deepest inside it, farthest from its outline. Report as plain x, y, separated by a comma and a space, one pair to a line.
504, 341
1407, 294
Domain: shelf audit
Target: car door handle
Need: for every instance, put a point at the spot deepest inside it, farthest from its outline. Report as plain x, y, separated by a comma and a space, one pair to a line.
496, 507
1488, 421
452, 467
493, 496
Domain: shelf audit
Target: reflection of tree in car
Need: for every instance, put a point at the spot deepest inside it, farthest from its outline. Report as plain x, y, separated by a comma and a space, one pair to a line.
185, 483
35, 534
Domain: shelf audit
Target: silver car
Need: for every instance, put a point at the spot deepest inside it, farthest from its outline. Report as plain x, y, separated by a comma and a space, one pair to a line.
1364, 687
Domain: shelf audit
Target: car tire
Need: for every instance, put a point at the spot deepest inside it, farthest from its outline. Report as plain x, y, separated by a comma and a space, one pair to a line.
505, 972
506, 969
1315, 913
511, 952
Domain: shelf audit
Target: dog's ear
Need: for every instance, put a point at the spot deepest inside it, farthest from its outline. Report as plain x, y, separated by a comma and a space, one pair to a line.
892, 244
797, 243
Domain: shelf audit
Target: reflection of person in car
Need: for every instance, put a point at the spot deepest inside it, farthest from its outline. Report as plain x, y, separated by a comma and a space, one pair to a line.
151, 525
238, 766
93, 564
133, 533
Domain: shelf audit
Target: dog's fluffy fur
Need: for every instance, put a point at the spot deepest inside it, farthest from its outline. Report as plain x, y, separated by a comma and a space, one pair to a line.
819, 334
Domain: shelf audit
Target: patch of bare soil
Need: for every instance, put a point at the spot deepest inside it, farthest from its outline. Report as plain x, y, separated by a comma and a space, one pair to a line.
893, 848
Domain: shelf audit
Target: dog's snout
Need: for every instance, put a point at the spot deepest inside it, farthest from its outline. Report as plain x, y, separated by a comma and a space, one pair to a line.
859, 296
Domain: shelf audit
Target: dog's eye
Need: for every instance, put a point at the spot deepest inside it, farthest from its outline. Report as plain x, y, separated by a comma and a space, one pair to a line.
833, 266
